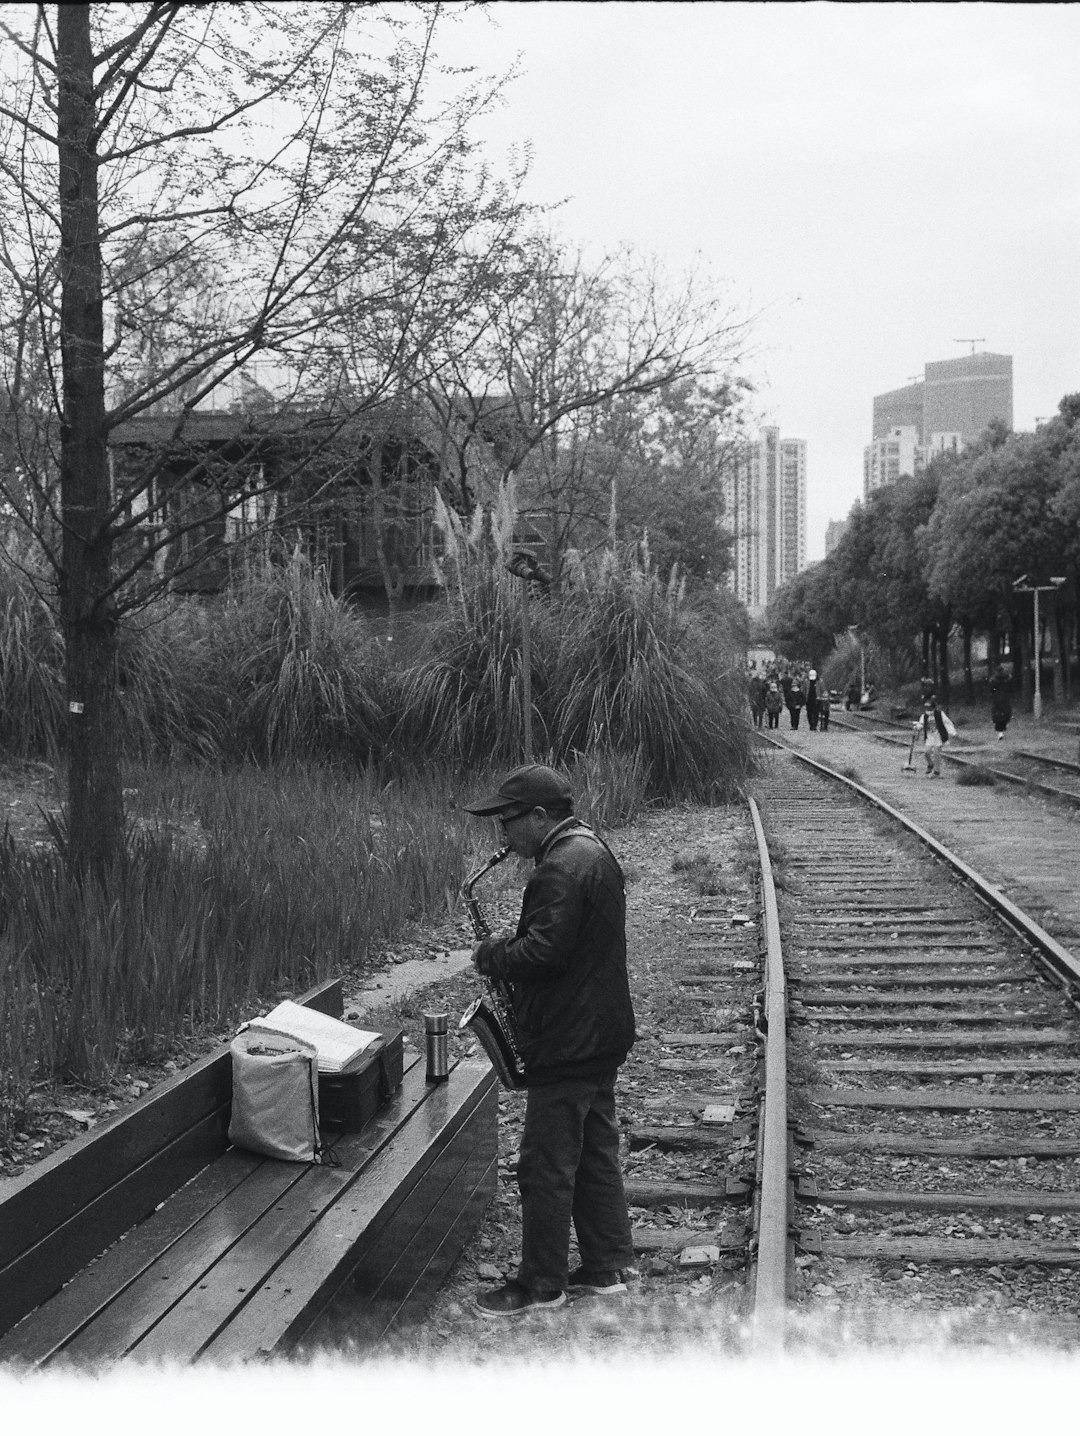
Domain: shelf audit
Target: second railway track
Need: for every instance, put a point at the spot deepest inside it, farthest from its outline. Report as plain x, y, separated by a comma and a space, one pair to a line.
931, 1075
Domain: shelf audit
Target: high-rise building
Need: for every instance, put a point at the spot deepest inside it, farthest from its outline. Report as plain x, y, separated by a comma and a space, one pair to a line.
948, 408
765, 504
956, 396
834, 532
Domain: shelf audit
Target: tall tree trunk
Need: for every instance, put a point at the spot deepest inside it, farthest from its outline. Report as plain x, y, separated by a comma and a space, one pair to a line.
95, 802
942, 679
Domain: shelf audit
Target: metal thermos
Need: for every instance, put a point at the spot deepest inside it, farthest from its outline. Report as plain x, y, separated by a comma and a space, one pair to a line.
436, 1030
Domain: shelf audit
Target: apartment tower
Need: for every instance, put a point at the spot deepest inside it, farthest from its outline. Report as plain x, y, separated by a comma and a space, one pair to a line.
765, 505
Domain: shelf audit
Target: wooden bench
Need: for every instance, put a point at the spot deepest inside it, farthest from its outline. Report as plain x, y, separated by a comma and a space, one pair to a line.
152, 1239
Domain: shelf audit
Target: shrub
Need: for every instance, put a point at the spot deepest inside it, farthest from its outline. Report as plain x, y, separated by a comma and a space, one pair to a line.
975, 777
618, 668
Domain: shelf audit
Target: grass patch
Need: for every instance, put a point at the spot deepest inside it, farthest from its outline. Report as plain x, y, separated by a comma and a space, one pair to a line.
975, 777
701, 872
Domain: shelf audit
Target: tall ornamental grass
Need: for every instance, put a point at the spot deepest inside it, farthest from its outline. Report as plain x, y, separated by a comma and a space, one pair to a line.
618, 667
31, 656
289, 672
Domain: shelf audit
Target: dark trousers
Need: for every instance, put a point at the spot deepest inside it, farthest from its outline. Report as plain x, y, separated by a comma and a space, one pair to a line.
774, 720
568, 1170
794, 713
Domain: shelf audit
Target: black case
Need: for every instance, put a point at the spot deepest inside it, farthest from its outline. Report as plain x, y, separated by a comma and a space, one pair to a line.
348, 1101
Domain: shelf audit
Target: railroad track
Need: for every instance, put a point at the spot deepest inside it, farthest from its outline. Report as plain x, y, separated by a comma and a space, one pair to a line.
919, 1146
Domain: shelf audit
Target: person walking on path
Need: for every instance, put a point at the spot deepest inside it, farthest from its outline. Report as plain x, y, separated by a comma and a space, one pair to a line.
774, 702
812, 700
935, 727
757, 698
795, 701
1000, 702
824, 709
566, 970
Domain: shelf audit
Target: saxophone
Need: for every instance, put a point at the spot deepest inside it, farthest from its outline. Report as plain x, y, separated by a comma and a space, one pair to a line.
491, 1016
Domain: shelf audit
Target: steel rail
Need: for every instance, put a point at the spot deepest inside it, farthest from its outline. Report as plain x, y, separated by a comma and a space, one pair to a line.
1057, 957
773, 1180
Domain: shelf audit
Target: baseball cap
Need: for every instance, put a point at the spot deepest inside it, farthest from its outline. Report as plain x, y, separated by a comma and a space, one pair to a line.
533, 786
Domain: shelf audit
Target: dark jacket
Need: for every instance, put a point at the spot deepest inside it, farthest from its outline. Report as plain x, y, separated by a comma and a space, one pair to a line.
567, 962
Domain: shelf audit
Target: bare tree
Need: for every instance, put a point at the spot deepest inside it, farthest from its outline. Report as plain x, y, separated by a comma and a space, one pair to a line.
563, 343
185, 190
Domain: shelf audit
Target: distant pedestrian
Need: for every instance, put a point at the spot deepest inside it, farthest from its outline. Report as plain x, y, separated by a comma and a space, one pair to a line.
812, 700
1000, 702
757, 698
824, 709
935, 728
852, 699
795, 701
774, 701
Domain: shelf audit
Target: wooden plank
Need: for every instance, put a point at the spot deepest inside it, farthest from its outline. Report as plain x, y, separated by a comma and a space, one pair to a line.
975, 1067
382, 1285
43, 1269
692, 1064
854, 929
144, 1302
300, 1289
914, 997
427, 1284
643, 1193
998, 1251
861, 980
681, 1139
970, 1016
849, 961
691, 1101
1010, 1037
674, 1239
914, 1145
947, 1099
699, 1039
205, 1307
1021, 1200
43, 1332
954, 946
101, 1161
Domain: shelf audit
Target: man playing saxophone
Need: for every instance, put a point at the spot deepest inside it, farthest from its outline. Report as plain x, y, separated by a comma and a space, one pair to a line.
565, 969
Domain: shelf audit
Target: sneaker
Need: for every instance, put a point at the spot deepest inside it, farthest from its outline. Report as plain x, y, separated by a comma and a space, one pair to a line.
513, 1299
599, 1283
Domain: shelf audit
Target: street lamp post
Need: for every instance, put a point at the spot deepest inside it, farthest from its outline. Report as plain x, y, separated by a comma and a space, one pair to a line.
1022, 585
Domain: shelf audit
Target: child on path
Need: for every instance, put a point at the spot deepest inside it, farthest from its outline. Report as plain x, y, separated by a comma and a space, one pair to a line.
936, 728
774, 701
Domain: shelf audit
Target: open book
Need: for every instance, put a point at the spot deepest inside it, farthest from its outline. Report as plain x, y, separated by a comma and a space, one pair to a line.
340, 1047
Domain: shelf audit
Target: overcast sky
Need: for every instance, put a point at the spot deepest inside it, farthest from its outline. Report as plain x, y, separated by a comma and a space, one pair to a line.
876, 181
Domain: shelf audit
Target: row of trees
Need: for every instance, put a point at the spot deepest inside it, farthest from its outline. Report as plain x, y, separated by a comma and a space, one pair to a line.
940, 553
188, 191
